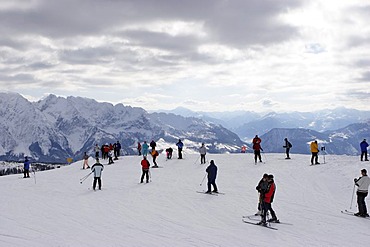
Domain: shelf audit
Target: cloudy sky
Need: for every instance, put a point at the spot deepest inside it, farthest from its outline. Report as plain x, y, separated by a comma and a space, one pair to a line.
211, 55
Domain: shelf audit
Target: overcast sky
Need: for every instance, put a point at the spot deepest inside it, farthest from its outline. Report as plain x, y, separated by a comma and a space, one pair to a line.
210, 55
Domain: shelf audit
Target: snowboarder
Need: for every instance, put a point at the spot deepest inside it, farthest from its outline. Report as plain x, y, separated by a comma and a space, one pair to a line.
145, 148
315, 152
97, 169
155, 155
139, 148
363, 183
26, 168
145, 168
202, 152
97, 150
86, 159
153, 145
287, 147
257, 148
169, 153
268, 197
179, 145
364, 146
212, 174
261, 188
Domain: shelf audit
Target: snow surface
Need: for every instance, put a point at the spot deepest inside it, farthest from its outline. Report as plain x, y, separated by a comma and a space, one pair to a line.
56, 210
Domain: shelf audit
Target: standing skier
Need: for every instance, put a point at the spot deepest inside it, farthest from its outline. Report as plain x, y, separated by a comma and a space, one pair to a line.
145, 148
145, 168
267, 200
155, 155
287, 147
179, 145
117, 150
261, 188
212, 174
97, 149
139, 148
153, 145
363, 183
97, 169
86, 159
315, 152
26, 168
110, 157
257, 148
202, 152
364, 146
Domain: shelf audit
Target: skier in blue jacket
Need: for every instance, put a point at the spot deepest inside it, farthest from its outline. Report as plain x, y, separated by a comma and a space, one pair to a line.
26, 168
212, 174
179, 145
364, 146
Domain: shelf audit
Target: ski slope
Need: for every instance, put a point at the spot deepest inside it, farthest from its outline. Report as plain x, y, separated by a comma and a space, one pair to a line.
59, 211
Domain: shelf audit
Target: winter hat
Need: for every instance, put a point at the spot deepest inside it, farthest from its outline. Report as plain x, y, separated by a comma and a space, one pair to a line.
364, 171
271, 176
265, 175
212, 162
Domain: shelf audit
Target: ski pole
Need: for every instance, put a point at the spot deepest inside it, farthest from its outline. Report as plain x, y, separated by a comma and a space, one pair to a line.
196, 160
203, 179
353, 192
34, 175
84, 178
264, 156
150, 176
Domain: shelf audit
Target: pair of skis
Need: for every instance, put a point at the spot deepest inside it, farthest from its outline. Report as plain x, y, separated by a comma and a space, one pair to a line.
212, 193
347, 212
252, 221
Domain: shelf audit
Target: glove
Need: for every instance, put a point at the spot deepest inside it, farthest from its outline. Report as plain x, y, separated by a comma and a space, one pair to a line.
355, 180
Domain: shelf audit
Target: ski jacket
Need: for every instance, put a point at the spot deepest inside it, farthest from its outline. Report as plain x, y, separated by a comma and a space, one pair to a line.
287, 144
169, 150
155, 153
153, 144
364, 146
26, 165
97, 168
145, 164
145, 147
257, 143
180, 145
363, 184
262, 186
118, 146
269, 195
314, 147
86, 157
138, 146
212, 171
97, 148
203, 149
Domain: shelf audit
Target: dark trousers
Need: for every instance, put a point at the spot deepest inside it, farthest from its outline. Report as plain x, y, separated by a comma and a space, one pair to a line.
145, 173
287, 152
26, 173
154, 162
361, 202
315, 157
110, 161
257, 154
180, 153
213, 183
202, 158
364, 153
97, 179
265, 208
97, 154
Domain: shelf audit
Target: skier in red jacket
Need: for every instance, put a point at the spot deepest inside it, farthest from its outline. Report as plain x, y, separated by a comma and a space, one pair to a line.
257, 148
145, 168
268, 198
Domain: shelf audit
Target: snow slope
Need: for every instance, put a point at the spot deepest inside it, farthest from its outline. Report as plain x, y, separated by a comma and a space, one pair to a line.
59, 211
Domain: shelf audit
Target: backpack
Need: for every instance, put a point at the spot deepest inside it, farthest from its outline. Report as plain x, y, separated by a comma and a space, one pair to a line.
290, 145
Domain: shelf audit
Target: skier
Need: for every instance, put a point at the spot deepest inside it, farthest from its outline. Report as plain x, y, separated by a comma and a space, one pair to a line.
363, 183
155, 155
86, 159
261, 188
97, 149
117, 149
268, 197
202, 151
153, 145
169, 153
315, 151
139, 148
145, 168
179, 145
287, 147
364, 146
257, 148
212, 174
145, 148
110, 157
97, 168
26, 168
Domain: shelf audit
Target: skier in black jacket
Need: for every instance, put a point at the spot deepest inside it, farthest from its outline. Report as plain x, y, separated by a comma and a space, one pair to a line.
212, 174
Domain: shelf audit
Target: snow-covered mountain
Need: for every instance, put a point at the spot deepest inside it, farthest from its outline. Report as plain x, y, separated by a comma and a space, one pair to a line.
55, 128
247, 124
342, 141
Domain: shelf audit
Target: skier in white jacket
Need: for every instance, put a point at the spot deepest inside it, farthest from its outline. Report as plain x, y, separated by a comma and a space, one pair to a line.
97, 169
363, 183
202, 152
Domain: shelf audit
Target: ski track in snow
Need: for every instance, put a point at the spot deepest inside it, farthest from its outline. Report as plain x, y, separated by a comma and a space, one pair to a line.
59, 211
